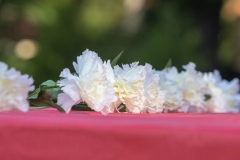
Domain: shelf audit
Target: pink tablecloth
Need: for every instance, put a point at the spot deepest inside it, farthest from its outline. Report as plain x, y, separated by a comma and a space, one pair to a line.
49, 135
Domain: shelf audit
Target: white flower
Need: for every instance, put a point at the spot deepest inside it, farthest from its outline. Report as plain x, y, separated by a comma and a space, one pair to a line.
92, 84
193, 87
129, 86
173, 92
137, 87
223, 94
154, 96
14, 89
185, 91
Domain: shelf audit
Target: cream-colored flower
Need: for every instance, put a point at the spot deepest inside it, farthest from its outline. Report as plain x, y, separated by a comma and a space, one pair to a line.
129, 86
135, 88
14, 89
92, 83
224, 95
185, 91
193, 87
154, 96
173, 93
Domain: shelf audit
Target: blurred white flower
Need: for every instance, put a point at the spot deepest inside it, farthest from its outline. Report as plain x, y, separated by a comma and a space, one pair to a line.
185, 91
173, 92
14, 89
224, 95
92, 83
193, 91
138, 88
193, 87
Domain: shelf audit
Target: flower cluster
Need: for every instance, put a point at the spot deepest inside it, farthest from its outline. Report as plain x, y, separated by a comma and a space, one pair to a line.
92, 83
141, 89
14, 89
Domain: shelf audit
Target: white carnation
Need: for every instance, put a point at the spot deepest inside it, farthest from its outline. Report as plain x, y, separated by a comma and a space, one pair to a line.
154, 96
92, 84
188, 91
14, 89
193, 87
137, 87
129, 86
173, 92
185, 91
223, 94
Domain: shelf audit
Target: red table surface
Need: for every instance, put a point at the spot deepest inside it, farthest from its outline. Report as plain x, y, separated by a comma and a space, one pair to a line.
48, 134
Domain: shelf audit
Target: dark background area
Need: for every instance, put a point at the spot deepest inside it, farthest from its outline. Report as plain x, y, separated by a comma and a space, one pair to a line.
41, 37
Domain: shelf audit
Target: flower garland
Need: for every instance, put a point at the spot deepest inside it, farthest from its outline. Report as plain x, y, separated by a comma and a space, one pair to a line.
106, 87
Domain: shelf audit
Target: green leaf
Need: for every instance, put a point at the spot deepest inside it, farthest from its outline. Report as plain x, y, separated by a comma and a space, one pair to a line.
207, 97
81, 107
114, 61
169, 63
34, 94
48, 84
51, 88
44, 100
54, 92
45, 95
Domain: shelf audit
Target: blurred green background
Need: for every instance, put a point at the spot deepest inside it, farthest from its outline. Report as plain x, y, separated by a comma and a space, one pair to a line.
41, 37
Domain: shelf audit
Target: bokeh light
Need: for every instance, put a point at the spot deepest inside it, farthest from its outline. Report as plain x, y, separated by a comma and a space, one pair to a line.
26, 49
